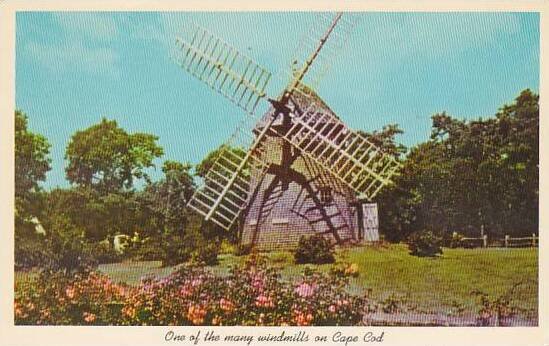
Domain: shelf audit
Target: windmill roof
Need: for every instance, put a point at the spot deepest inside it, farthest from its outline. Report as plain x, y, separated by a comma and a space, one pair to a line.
302, 97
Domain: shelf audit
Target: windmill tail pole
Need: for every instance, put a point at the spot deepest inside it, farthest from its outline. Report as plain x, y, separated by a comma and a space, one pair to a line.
312, 57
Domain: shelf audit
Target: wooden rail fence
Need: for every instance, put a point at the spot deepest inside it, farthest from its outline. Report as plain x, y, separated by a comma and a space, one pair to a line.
508, 241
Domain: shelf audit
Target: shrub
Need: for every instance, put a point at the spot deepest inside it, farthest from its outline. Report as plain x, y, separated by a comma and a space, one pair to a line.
346, 269
207, 254
69, 299
244, 249
456, 240
392, 304
252, 294
177, 249
102, 252
494, 310
31, 252
226, 247
424, 244
150, 249
315, 249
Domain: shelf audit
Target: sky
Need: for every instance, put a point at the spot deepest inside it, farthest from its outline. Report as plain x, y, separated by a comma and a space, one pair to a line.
73, 68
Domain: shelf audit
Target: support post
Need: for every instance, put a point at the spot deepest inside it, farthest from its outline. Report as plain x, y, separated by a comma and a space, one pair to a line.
507, 240
485, 240
533, 239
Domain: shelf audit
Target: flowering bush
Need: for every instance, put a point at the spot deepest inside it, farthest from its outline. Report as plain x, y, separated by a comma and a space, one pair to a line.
252, 294
57, 298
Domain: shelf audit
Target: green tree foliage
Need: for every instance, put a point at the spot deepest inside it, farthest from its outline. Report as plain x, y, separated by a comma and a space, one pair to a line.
385, 139
31, 164
470, 175
107, 158
99, 215
165, 201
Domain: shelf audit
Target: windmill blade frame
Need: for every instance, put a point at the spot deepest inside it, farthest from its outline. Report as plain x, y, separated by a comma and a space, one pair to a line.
227, 185
347, 154
338, 36
223, 68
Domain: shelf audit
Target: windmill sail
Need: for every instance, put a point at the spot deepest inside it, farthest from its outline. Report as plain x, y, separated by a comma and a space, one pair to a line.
347, 154
226, 188
337, 27
222, 68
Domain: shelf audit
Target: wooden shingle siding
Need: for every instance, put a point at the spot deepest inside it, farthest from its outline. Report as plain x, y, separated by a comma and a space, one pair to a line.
293, 195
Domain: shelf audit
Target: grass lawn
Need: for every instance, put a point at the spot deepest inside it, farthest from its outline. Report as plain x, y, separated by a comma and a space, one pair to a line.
430, 285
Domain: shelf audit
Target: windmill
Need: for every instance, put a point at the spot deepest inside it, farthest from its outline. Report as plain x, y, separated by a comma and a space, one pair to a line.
297, 169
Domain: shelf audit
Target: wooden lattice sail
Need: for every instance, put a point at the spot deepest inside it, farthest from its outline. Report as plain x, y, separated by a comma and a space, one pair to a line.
226, 187
222, 68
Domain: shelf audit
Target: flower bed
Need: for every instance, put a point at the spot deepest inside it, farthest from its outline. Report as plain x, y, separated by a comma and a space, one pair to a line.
253, 294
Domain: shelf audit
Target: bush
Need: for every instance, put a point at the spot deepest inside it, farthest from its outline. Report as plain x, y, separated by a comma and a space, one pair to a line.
207, 254
177, 249
424, 244
150, 249
226, 247
31, 252
102, 252
244, 249
253, 294
314, 249
58, 298
456, 240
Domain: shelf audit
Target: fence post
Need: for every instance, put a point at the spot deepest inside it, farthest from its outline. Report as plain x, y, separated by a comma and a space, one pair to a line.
485, 240
533, 239
507, 240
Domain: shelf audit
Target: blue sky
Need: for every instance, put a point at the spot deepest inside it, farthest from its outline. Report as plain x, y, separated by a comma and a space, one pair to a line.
74, 68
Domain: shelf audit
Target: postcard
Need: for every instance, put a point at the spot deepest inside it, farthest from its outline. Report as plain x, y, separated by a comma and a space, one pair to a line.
273, 173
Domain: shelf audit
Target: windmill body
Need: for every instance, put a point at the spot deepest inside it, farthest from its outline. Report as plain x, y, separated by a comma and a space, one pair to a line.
298, 170
295, 196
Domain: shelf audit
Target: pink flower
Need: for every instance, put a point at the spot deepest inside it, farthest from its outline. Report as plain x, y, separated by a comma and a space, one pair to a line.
89, 317
226, 304
332, 308
70, 292
257, 284
305, 290
185, 291
264, 301
302, 319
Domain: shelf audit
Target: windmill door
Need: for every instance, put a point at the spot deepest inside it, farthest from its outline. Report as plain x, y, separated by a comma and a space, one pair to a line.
370, 222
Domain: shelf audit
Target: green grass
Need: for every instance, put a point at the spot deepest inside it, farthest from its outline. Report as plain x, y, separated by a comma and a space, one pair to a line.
430, 285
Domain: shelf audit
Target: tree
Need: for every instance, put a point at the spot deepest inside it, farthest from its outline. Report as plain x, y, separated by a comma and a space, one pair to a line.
107, 158
386, 141
31, 165
31, 161
99, 215
166, 200
471, 175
